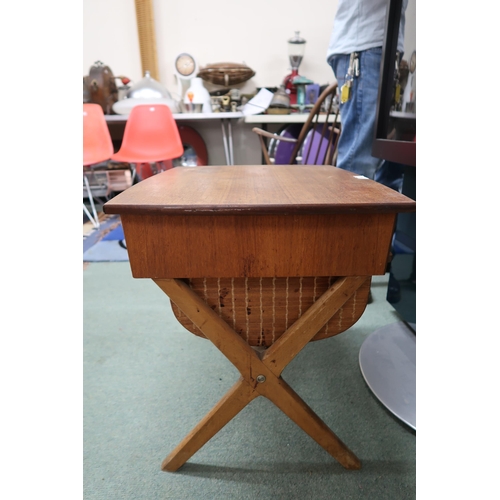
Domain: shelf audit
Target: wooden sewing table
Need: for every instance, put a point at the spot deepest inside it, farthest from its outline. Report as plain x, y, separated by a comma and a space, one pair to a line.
260, 260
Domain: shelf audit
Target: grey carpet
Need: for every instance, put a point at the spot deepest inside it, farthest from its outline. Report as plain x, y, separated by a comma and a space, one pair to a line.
147, 383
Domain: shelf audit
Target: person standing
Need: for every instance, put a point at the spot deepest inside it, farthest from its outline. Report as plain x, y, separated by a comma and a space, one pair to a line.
355, 54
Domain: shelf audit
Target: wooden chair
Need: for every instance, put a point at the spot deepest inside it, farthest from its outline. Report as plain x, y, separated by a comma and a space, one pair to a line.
317, 141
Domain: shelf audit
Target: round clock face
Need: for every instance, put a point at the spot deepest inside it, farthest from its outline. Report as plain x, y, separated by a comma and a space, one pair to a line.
185, 64
413, 62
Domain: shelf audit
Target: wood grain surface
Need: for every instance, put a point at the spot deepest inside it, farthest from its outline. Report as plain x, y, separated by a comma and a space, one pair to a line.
258, 189
232, 246
258, 221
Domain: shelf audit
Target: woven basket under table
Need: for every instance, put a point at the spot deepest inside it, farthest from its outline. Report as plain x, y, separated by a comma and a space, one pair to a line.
261, 309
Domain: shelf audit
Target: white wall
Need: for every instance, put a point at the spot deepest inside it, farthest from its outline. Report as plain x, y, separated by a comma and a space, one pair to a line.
213, 31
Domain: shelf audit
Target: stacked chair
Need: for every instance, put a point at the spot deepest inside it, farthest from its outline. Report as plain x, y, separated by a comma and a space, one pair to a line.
150, 141
97, 148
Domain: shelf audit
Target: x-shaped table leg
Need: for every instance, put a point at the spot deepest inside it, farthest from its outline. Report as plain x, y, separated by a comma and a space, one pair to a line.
260, 375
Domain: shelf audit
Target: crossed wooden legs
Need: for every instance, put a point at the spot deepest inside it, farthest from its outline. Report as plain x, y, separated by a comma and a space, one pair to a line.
260, 375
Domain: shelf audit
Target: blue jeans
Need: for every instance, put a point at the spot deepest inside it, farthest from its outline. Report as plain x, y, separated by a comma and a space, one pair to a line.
358, 120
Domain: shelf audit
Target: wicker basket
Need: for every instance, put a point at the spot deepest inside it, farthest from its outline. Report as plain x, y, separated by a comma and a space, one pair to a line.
226, 73
261, 309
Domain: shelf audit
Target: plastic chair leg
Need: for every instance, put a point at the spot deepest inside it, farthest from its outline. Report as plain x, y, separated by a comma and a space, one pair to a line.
95, 219
95, 222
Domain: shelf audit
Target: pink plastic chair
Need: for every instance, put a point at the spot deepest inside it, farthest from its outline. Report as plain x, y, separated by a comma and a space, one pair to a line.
151, 136
97, 147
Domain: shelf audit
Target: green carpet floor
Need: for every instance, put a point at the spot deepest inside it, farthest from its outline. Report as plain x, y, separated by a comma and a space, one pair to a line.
148, 381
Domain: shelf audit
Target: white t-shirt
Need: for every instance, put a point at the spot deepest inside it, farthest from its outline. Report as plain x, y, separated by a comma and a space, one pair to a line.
360, 25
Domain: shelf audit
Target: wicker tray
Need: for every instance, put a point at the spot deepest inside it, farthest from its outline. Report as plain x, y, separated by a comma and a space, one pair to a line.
226, 73
261, 309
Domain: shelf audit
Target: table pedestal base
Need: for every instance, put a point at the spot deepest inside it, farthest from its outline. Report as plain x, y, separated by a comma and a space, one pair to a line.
387, 361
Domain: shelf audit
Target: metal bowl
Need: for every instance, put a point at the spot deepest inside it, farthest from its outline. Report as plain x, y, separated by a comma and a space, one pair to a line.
145, 91
190, 107
148, 88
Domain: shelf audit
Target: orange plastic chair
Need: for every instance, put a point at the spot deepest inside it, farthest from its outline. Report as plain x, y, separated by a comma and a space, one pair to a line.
151, 136
97, 147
